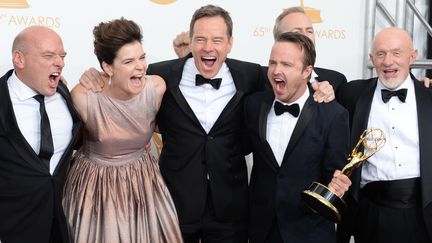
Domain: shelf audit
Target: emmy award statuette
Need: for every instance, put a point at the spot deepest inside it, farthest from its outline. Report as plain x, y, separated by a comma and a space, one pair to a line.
326, 203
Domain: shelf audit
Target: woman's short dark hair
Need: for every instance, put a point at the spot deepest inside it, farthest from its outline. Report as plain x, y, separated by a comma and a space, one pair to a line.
112, 35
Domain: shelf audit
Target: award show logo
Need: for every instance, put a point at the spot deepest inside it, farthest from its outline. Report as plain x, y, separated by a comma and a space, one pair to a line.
312, 13
164, 2
315, 16
14, 4
25, 20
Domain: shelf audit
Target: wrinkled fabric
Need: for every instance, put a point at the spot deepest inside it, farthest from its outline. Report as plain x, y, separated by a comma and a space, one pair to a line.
114, 191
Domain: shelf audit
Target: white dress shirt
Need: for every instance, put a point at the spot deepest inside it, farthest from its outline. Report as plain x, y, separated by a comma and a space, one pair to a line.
27, 115
206, 102
280, 128
399, 158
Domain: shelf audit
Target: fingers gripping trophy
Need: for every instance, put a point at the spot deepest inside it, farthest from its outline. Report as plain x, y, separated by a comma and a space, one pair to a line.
321, 199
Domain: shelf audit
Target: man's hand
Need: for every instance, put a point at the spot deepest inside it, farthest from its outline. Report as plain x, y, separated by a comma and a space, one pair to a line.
94, 80
323, 92
181, 44
426, 81
339, 184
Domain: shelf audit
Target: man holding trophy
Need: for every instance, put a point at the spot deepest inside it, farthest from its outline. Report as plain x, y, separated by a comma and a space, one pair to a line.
391, 196
294, 141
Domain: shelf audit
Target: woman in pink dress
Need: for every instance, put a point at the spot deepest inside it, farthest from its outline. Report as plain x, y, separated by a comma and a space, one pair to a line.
114, 191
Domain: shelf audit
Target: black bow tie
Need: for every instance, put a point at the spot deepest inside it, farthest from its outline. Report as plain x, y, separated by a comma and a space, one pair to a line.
387, 94
199, 80
280, 108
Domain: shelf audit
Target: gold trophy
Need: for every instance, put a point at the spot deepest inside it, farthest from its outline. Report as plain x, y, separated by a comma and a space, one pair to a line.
326, 203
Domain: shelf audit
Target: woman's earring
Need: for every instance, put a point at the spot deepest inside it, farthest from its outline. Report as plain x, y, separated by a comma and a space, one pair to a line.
109, 81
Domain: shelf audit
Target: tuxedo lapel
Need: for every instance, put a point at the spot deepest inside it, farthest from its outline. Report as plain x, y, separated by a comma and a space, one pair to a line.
424, 116
174, 89
306, 114
359, 124
237, 75
238, 78
264, 110
11, 129
361, 114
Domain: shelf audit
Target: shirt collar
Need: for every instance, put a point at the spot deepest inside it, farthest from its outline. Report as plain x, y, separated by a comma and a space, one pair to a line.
21, 90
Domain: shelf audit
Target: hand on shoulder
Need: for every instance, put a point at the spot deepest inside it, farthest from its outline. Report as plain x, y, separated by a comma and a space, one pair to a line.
324, 92
94, 80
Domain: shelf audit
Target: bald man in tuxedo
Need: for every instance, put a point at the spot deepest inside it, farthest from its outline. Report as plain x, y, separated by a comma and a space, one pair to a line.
35, 156
391, 196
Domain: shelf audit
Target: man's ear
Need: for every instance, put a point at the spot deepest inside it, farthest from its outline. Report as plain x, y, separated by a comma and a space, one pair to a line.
307, 72
18, 59
413, 56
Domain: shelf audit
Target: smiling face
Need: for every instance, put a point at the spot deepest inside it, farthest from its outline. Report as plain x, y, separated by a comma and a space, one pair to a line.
39, 59
127, 71
210, 45
287, 74
392, 54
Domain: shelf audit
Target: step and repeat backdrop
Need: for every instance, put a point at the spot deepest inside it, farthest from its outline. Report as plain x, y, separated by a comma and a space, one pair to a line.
339, 27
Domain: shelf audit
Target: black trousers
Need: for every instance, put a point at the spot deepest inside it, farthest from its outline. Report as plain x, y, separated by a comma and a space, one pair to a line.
391, 212
274, 236
212, 230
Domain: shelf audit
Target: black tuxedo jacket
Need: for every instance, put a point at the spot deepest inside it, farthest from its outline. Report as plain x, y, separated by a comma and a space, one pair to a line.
190, 154
357, 97
317, 148
336, 79
30, 197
